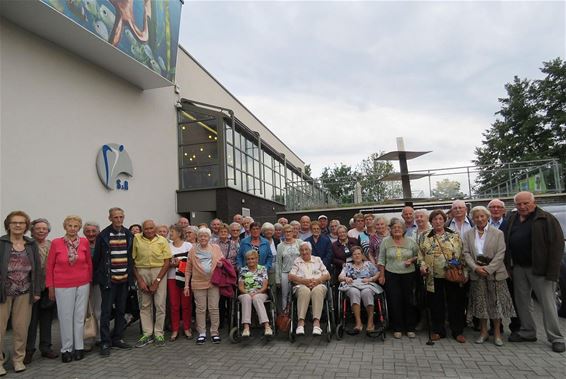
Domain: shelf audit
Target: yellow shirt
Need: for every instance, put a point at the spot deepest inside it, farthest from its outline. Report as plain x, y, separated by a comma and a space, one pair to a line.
150, 253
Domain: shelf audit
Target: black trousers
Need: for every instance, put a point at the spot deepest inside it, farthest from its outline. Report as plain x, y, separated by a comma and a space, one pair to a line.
447, 296
42, 318
116, 296
400, 291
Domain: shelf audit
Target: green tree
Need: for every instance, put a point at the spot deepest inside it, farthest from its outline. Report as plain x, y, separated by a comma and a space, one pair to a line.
373, 188
340, 182
447, 189
308, 170
530, 125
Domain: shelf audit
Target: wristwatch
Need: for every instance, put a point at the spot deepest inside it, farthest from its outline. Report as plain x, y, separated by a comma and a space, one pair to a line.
158, 279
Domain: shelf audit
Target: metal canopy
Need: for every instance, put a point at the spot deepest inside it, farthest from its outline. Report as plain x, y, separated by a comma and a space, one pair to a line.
395, 155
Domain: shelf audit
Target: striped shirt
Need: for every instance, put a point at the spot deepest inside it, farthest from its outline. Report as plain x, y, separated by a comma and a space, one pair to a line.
118, 257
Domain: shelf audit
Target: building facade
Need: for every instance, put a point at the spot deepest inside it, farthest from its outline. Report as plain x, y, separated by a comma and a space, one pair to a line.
69, 95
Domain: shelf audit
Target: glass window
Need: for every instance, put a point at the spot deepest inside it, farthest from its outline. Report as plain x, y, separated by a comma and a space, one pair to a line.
238, 159
229, 136
268, 175
250, 165
200, 177
192, 131
268, 192
201, 154
229, 155
256, 169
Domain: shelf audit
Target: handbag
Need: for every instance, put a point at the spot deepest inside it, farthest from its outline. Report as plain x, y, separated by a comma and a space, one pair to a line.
283, 320
90, 325
454, 270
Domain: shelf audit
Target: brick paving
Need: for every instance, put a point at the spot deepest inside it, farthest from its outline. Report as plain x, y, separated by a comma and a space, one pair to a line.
352, 357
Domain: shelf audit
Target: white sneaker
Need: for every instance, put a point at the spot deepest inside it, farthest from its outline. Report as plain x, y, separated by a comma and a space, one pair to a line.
268, 332
411, 334
2, 370
300, 331
316, 331
246, 333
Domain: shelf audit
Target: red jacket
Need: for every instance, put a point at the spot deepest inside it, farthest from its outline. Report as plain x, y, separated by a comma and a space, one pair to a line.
225, 278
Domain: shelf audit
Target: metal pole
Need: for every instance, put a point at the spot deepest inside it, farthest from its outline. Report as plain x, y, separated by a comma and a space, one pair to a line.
469, 182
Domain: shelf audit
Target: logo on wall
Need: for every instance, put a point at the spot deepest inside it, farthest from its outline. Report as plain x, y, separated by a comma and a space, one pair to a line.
113, 161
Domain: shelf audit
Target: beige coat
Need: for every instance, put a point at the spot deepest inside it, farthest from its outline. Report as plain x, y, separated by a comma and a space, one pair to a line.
494, 248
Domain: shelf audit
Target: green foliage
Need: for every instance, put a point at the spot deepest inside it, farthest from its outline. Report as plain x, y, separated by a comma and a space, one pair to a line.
447, 189
531, 125
340, 181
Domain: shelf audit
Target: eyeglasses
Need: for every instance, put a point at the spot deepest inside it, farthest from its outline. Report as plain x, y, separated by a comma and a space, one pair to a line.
18, 222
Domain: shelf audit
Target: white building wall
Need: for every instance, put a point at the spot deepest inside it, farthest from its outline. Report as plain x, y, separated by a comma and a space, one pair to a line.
197, 84
57, 110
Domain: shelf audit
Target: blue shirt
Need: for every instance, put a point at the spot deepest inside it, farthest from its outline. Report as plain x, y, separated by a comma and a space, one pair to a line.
322, 249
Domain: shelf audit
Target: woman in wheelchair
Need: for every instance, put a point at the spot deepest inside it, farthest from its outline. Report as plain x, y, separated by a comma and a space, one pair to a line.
252, 287
357, 280
309, 276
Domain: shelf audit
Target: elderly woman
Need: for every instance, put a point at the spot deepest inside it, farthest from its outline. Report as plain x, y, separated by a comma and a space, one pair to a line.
484, 252
296, 228
357, 280
20, 287
375, 239
397, 257
423, 226
203, 259
68, 277
309, 275
44, 310
163, 231
342, 248
268, 232
438, 249
321, 244
278, 231
178, 301
253, 285
191, 234
287, 252
255, 242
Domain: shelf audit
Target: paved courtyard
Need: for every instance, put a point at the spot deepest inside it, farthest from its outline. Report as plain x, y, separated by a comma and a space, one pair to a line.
352, 357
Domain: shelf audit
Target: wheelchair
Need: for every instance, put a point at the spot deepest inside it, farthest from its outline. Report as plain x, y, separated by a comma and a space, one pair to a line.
380, 314
326, 316
236, 316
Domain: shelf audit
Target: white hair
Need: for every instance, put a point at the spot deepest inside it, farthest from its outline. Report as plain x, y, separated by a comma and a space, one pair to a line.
267, 225
206, 231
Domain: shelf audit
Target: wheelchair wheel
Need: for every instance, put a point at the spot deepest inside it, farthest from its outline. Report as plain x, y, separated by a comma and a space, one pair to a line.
339, 331
234, 335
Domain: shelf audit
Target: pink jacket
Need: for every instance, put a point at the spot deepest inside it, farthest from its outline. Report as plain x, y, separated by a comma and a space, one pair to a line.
59, 273
225, 278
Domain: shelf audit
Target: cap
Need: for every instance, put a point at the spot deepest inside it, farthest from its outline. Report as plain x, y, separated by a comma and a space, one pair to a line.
322, 216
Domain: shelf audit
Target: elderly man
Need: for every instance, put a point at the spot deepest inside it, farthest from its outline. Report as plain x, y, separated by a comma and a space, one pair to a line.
497, 209
323, 223
151, 254
460, 222
535, 245
408, 215
246, 221
358, 226
283, 221
215, 228
112, 265
305, 231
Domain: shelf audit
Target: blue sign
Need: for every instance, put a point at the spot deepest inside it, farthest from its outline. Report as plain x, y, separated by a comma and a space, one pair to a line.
112, 162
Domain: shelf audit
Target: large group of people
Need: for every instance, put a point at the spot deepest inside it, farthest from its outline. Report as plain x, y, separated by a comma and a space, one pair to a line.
472, 266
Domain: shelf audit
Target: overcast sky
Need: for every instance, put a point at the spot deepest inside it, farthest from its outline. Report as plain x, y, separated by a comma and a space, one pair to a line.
337, 81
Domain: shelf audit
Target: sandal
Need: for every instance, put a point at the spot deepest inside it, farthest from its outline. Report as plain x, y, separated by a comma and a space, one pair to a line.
188, 334
354, 331
201, 340
216, 339
173, 337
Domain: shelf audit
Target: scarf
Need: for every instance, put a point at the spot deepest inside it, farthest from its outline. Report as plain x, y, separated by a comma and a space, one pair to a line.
72, 247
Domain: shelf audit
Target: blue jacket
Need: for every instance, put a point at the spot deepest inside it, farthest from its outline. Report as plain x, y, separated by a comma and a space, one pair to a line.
265, 256
322, 249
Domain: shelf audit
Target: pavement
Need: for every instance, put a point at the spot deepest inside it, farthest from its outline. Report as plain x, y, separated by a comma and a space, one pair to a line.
312, 357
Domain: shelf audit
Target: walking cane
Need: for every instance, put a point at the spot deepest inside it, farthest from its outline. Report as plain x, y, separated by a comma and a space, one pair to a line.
430, 342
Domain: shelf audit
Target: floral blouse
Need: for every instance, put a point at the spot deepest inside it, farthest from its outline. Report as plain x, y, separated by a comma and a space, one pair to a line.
436, 250
367, 270
253, 280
